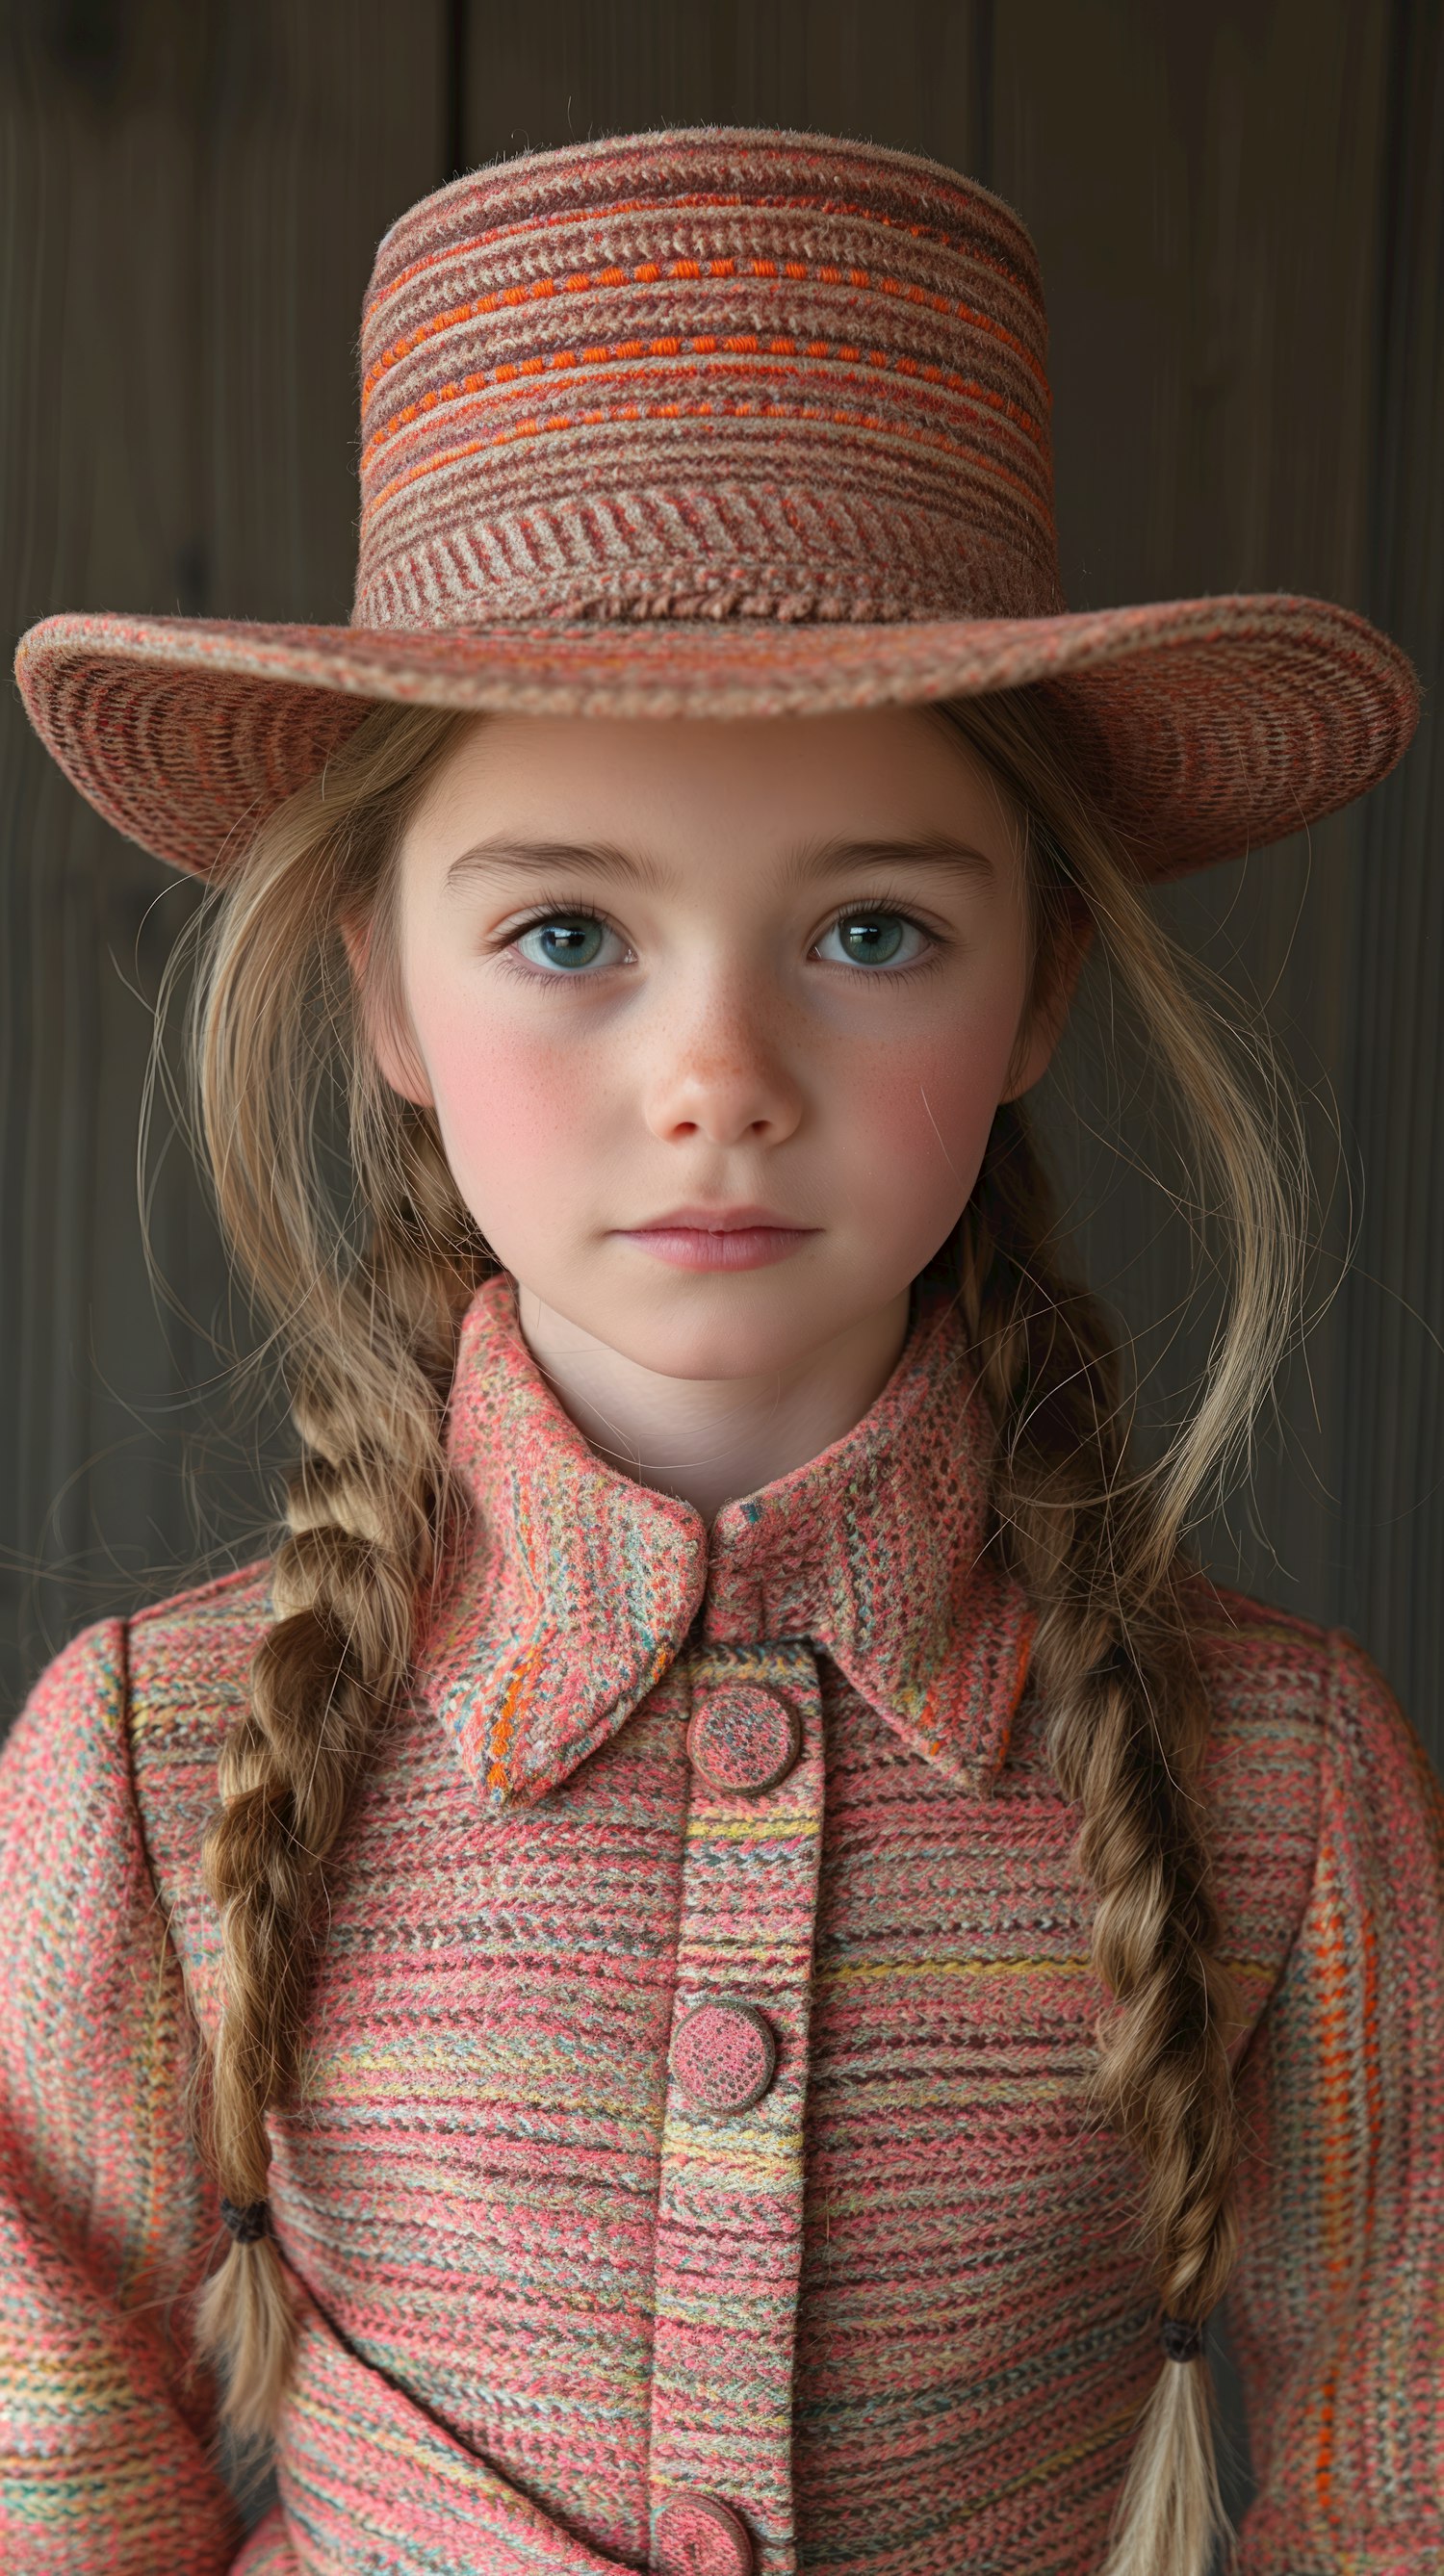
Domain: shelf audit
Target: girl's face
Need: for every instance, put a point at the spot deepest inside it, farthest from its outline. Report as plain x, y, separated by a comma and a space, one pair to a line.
714, 1016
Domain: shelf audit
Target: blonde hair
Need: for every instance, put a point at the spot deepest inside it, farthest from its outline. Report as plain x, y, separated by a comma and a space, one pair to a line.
366, 1291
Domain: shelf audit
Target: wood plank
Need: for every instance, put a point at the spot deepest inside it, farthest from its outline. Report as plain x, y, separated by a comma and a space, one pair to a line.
1391, 1428
196, 195
565, 69
1210, 233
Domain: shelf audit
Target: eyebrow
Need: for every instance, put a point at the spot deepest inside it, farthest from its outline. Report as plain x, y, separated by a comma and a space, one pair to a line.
801, 866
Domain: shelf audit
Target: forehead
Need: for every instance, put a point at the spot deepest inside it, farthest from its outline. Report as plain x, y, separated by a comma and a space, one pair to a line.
709, 785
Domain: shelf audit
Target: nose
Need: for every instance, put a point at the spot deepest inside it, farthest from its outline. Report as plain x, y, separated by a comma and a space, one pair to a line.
717, 1076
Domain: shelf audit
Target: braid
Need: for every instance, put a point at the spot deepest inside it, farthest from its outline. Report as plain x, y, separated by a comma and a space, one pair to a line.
364, 1505
1127, 1725
372, 1345
1099, 1549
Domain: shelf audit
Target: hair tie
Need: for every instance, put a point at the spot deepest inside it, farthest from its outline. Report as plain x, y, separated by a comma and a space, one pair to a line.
248, 2224
1181, 2339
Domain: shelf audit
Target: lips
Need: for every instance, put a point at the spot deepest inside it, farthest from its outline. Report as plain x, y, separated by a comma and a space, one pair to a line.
733, 1238
705, 1220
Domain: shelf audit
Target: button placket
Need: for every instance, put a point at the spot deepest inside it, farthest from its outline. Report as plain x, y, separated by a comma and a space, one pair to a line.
729, 2241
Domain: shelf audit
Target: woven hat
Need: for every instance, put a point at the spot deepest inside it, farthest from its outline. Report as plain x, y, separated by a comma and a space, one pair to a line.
731, 423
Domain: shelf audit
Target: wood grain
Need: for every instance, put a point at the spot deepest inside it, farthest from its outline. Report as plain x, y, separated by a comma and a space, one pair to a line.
1209, 231
1238, 213
566, 69
1388, 1424
195, 193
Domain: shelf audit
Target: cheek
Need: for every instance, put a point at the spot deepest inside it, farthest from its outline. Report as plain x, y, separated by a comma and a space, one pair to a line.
511, 1102
921, 1110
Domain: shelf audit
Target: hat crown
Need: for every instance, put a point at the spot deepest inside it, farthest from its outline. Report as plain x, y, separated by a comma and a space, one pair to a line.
709, 374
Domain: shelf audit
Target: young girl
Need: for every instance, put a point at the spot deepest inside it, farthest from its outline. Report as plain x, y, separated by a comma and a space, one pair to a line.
720, 1963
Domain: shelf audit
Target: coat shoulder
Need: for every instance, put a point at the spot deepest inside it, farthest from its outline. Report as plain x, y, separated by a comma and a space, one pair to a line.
1290, 1703
189, 1661
189, 1656
1272, 1672
1261, 1662
1270, 1680
1317, 1695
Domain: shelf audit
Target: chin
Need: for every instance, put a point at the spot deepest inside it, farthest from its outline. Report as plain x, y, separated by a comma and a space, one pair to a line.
719, 1344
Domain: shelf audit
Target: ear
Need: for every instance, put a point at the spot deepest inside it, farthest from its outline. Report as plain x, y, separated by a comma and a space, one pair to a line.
1048, 1008
391, 1042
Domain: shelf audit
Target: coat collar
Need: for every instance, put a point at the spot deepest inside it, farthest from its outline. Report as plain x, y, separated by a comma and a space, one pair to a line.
575, 1587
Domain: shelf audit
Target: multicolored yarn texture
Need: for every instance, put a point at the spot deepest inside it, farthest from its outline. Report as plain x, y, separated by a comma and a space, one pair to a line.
721, 422
894, 2314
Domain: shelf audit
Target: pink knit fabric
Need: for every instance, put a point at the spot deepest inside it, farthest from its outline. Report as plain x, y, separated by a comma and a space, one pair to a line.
893, 2317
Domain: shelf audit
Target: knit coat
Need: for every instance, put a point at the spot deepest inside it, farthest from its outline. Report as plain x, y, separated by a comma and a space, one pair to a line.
660, 2133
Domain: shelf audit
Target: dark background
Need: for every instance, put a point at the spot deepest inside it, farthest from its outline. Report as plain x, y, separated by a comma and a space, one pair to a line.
1239, 206
1240, 210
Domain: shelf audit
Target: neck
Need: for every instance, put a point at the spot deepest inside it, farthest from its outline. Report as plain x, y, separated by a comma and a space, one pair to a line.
709, 1440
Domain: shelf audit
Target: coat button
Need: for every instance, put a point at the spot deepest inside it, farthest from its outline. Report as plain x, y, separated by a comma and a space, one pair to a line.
724, 2055
743, 1739
699, 2536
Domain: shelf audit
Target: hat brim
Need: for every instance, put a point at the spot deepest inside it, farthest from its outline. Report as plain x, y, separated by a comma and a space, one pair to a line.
1203, 727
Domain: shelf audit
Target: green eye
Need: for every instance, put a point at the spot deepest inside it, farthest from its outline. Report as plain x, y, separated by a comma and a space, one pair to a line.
568, 940
872, 939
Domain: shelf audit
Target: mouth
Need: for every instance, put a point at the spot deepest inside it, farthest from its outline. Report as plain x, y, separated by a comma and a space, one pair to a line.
734, 1238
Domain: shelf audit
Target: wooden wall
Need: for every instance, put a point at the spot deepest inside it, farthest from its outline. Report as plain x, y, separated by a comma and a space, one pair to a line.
1238, 207
194, 193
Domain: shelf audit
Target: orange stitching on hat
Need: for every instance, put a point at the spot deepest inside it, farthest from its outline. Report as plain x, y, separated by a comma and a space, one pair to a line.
543, 287
528, 227
705, 345
736, 410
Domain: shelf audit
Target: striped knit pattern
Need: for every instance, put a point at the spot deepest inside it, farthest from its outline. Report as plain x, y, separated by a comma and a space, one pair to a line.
895, 2314
702, 375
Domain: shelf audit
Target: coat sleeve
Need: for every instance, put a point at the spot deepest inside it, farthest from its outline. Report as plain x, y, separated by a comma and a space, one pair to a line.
1336, 2311
108, 2461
